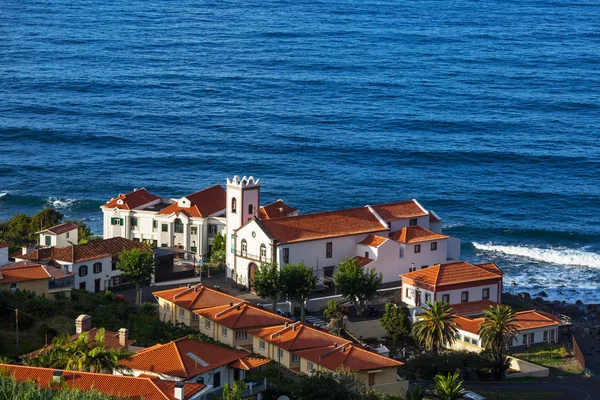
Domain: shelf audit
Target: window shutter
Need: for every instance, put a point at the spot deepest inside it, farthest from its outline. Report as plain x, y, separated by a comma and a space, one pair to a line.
121, 222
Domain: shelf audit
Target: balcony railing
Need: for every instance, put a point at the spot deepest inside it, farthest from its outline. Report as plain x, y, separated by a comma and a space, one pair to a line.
252, 257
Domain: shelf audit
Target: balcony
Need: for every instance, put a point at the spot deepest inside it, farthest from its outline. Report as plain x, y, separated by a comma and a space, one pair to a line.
252, 388
253, 257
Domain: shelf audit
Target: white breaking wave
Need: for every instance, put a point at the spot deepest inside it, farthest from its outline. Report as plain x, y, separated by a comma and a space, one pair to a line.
60, 203
555, 256
2, 194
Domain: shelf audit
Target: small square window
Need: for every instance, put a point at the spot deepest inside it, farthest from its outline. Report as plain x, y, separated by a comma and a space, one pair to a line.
445, 298
286, 255
97, 267
545, 336
295, 357
261, 344
194, 230
412, 222
154, 224
407, 293
433, 246
280, 354
328, 249
311, 366
427, 296
212, 229
241, 335
366, 254
417, 248
223, 331
424, 266
485, 295
83, 270
165, 228
464, 297
134, 221
181, 312
67, 235
207, 323
167, 307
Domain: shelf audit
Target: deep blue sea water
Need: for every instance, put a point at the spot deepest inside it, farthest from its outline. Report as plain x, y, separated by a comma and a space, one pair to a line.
486, 111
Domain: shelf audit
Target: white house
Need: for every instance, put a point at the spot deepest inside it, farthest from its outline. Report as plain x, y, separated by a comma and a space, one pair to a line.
322, 240
189, 223
94, 264
4, 253
467, 287
60, 235
533, 327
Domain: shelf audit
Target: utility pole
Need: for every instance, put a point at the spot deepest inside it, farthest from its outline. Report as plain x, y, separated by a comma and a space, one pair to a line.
17, 326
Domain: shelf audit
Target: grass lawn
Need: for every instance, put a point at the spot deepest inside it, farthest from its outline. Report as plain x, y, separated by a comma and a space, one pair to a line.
491, 395
548, 355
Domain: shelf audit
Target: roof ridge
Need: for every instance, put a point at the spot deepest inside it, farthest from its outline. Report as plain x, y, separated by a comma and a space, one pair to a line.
179, 357
164, 395
437, 276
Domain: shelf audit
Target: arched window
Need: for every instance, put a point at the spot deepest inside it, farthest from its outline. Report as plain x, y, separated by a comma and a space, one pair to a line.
233, 205
263, 253
244, 247
250, 209
178, 226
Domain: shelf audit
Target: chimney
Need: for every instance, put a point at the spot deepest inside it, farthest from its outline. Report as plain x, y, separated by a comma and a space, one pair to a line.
188, 285
335, 345
231, 304
57, 376
179, 386
83, 323
24, 250
286, 324
123, 336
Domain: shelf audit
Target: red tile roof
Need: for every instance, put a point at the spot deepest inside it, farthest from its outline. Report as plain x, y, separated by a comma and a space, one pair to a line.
524, 320
248, 363
297, 336
202, 203
26, 273
3, 245
182, 358
468, 324
114, 385
62, 228
399, 210
276, 209
55, 272
415, 234
196, 297
350, 356
132, 200
241, 316
472, 307
111, 340
433, 217
363, 261
323, 225
83, 252
454, 273
373, 241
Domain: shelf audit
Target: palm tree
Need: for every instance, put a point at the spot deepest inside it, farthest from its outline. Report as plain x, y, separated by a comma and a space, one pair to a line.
448, 387
435, 328
498, 329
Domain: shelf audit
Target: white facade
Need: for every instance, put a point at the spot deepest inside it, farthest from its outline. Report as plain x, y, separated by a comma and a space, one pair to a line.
411, 294
3, 254
93, 275
466, 340
49, 239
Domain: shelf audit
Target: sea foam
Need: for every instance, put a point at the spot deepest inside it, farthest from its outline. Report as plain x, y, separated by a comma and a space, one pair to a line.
555, 256
60, 203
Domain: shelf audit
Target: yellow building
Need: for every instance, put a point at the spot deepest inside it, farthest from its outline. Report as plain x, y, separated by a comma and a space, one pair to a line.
229, 324
24, 277
177, 305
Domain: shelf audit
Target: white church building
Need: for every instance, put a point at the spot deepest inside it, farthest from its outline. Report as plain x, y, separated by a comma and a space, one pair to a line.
394, 238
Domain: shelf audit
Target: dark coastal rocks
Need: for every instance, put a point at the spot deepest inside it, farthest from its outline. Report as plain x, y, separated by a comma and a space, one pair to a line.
579, 303
542, 294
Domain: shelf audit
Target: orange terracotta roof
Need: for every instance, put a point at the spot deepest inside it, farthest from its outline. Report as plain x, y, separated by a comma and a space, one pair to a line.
23, 274
323, 225
276, 209
196, 297
55, 272
532, 319
399, 210
241, 316
472, 307
111, 340
373, 241
3, 245
433, 217
453, 273
248, 363
202, 203
468, 324
297, 336
132, 200
363, 261
350, 356
62, 228
83, 252
114, 385
182, 358
415, 234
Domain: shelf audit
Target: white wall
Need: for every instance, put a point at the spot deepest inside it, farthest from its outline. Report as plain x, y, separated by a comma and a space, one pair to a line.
3, 256
475, 293
538, 336
426, 257
412, 292
91, 276
241, 263
401, 223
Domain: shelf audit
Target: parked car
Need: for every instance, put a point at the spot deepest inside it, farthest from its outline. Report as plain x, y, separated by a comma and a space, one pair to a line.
468, 395
285, 313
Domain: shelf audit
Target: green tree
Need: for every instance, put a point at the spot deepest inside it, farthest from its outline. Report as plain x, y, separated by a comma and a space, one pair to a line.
435, 328
415, 392
218, 250
18, 230
234, 392
342, 384
498, 328
46, 218
356, 284
84, 232
396, 321
267, 283
335, 313
297, 282
137, 265
448, 387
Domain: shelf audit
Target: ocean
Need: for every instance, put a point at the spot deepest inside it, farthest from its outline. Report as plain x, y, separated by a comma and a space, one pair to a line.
487, 112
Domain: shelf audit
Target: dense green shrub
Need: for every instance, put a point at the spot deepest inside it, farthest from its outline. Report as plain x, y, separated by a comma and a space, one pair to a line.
469, 365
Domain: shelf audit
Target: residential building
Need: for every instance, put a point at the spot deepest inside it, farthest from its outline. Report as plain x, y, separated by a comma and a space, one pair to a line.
112, 385
191, 361
189, 223
229, 324
533, 328
280, 343
323, 240
456, 283
4, 249
60, 235
177, 305
374, 370
94, 264
40, 279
